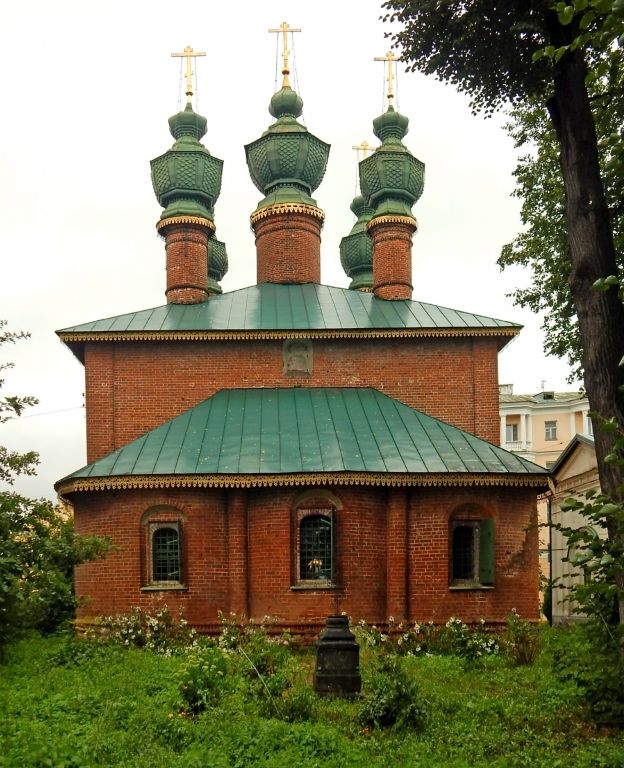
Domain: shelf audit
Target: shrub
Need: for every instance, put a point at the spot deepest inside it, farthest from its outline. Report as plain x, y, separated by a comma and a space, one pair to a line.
453, 638
522, 640
470, 644
38, 552
298, 703
393, 700
203, 679
160, 631
595, 665
260, 658
261, 653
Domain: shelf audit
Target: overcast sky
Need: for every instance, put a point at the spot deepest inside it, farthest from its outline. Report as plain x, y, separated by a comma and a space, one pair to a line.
87, 91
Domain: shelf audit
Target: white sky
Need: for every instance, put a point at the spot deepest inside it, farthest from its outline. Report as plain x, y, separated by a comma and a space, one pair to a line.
87, 91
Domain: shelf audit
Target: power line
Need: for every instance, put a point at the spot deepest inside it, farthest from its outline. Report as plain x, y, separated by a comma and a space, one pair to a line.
46, 413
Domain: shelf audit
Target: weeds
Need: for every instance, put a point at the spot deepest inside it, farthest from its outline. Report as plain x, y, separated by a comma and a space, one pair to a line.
521, 639
118, 705
392, 699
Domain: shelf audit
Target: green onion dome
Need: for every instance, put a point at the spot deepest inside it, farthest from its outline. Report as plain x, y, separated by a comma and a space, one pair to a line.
356, 248
187, 178
392, 178
217, 264
287, 163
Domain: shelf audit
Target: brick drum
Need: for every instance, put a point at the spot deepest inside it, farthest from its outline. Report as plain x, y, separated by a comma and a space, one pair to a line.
186, 246
288, 247
392, 259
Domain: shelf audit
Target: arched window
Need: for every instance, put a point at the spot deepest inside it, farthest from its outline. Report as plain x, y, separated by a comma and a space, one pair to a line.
463, 547
316, 547
166, 562
472, 553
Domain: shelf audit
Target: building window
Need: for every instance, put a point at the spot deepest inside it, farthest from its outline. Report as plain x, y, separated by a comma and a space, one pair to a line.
511, 433
316, 546
166, 560
550, 430
472, 552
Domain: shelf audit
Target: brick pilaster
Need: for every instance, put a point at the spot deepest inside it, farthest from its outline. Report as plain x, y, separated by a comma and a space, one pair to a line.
396, 554
237, 552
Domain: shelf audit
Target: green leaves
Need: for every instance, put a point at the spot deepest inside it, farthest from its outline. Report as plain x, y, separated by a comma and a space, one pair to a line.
604, 283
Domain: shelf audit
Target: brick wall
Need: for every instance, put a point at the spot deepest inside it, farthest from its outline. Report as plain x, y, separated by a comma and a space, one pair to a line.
134, 387
384, 538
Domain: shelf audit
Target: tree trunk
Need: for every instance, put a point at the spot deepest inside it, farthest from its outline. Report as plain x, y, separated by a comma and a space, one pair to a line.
592, 256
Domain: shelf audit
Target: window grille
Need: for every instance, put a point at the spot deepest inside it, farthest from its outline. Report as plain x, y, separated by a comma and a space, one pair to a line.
316, 548
166, 554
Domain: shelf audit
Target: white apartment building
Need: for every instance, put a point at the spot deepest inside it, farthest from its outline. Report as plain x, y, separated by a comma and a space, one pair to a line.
538, 427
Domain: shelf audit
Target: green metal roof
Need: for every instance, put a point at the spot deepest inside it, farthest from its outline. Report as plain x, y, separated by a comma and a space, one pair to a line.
304, 430
304, 307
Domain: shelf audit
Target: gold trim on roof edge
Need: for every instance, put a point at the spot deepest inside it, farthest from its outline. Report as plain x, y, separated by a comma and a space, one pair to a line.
198, 220
410, 221
278, 208
136, 482
391, 333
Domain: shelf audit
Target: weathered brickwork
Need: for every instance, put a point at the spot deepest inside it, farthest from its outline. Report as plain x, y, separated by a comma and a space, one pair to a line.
239, 551
187, 263
133, 387
392, 260
288, 247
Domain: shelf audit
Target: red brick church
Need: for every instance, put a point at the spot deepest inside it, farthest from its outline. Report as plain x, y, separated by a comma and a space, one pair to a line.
294, 449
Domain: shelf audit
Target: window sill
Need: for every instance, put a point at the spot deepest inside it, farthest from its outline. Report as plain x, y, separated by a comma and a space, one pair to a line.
314, 586
174, 587
470, 587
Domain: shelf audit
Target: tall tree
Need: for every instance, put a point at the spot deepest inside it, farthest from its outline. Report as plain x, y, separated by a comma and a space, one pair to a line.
490, 49
542, 244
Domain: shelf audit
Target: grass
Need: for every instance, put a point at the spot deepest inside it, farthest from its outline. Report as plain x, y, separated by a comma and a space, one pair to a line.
73, 705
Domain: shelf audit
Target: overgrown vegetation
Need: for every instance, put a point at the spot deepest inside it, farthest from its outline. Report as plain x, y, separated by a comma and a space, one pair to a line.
245, 699
38, 545
597, 665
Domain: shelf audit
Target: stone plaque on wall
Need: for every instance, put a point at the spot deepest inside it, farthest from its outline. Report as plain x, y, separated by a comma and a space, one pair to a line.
297, 357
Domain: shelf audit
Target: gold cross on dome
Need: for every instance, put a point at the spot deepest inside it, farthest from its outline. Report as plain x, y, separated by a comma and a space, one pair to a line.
389, 57
285, 29
364, 147
189, 54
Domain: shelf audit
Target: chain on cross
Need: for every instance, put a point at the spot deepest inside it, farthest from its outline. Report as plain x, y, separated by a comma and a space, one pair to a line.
390, 58
189, 54
285, 29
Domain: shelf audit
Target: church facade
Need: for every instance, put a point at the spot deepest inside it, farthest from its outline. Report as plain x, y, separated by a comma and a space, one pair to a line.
293, 449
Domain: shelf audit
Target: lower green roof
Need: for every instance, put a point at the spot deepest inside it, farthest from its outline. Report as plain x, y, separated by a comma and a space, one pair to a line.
304, 430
